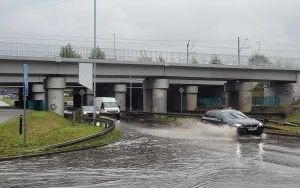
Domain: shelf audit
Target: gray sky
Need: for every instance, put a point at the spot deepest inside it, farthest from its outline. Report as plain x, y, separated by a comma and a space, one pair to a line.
212, 25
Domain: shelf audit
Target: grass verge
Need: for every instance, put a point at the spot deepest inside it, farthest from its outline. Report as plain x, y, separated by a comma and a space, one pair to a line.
283, 129
45, 128
293, 118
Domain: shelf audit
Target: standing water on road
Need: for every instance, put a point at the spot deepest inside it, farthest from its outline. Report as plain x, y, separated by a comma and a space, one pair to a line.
159, 156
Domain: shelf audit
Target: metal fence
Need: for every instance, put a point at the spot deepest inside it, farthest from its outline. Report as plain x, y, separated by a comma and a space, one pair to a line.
53, 51
211, 101
265, 101
256, 101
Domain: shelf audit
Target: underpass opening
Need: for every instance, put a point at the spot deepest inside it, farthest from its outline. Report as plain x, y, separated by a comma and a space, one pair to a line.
10, 97
208, 97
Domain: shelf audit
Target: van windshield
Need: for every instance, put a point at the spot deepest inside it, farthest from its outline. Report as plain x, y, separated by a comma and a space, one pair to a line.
110, 104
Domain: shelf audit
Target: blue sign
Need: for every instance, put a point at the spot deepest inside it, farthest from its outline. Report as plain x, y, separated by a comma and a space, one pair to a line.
25, 83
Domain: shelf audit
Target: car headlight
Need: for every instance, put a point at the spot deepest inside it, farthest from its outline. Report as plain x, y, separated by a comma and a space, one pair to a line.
84, 113
97, 112
238, 125
260, 124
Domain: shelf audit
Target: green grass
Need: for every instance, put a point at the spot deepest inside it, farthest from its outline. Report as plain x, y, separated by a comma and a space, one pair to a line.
293, 118
43, 128
284, 129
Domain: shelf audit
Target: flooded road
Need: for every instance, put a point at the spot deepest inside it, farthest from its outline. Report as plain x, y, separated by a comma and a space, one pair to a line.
157, 156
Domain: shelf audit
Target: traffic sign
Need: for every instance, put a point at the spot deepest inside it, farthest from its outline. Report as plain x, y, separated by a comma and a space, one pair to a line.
81, 92
181, 90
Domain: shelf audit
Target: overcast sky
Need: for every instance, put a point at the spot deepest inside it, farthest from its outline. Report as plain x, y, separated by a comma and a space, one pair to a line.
213, 26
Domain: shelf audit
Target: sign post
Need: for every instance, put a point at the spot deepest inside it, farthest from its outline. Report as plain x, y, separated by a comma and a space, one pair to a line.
181, 90
81, 93
25, 94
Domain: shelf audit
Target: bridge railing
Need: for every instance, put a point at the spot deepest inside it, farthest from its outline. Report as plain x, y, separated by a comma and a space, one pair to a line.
53, 51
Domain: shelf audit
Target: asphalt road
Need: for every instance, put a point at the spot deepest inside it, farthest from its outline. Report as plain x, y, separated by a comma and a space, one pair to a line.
6, 114
159, 156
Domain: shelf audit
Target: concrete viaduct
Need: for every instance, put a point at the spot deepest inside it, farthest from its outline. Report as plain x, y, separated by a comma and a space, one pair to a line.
50, 76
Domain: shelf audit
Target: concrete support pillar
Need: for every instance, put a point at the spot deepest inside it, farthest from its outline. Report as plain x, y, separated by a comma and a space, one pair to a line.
89, 97
191, 97
147, 95
239, 95
38, 92
120, 95
55, 94
245, 96
159, 95
39, 96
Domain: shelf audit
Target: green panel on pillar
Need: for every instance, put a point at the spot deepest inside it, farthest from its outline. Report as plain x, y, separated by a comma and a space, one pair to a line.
30, 104
39, 105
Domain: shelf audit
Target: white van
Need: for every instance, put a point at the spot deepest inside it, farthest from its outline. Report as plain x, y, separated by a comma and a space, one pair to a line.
107, 105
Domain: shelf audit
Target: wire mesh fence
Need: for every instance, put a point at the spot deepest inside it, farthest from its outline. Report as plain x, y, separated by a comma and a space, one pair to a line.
123, 55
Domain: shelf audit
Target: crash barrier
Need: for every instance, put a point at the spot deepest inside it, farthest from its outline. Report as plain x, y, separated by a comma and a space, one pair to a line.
109, 127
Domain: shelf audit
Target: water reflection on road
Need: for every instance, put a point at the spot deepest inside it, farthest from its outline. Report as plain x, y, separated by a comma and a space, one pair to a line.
158, 156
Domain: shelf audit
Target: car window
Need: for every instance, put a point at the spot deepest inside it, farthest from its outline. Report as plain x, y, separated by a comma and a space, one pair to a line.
218, 115
211, 114
233, 114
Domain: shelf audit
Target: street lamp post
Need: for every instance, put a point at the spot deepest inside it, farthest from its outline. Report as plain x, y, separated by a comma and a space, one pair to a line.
187, 51
115, 46
94, 66
240, 49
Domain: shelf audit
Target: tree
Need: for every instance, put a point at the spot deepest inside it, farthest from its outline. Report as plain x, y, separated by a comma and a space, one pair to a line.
144, 57
68, 52
194, 60
215, 60
258, 59
99, 54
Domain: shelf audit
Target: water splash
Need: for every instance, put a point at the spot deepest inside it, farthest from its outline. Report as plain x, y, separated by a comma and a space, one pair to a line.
192, 129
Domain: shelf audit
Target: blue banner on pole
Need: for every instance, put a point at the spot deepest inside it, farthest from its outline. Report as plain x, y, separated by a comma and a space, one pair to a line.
25, 83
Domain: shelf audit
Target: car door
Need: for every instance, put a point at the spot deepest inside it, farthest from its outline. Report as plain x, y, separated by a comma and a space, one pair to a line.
218, 119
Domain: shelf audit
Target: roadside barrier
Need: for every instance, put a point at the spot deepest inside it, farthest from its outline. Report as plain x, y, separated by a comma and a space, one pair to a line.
109, 127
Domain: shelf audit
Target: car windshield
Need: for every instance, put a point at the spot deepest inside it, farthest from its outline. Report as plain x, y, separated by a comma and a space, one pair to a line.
233, 114
110, 104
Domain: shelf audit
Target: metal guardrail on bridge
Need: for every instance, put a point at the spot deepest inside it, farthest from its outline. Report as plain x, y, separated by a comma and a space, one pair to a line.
123, 55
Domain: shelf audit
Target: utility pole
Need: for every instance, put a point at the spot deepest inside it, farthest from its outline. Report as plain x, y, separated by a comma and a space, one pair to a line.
94, 65
240, 49
258, 57
115, 46
130, 92
187, 51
